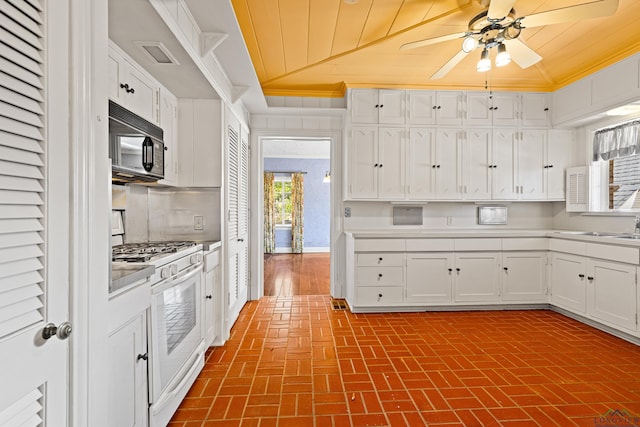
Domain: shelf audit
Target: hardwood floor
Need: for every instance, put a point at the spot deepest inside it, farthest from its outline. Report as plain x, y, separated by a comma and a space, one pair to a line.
296, 274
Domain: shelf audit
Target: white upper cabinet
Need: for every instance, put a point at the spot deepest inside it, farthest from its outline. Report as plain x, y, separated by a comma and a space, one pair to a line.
433, 164
131, 87
476, 164
559, 150
534, 110
532, 164
378, 106
435, 108
504, 164
376, 163
169, 125
492, 108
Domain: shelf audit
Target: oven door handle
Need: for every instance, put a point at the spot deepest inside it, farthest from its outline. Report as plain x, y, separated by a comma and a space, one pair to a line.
184, 276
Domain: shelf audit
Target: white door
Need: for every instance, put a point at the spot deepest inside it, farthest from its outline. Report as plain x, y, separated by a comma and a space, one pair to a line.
447, 170
524, 276
476, 165
568, 282
477, 277
429, 278
391, 107
504, 173
34, 217
421, 170
363, 163
391, 163
559, 142
611, 293
531, 165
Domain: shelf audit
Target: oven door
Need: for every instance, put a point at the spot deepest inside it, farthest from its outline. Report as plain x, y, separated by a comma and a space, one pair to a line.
175, 328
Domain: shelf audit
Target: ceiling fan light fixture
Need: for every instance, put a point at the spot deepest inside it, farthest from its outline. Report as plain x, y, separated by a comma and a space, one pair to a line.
502, 58
469, 43
485, 62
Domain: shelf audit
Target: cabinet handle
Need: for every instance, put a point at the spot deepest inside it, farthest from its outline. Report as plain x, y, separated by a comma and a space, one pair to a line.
379, 260
581, 276
381, 105
143, 356
546, 166
377, 106
505, 268
132, 90
379, 297
457, 270
450, 269
379, 275
380, 165
546, 109
550, 166
439, 107
124, 86
240, 240
589, 278
375, 166
438, 166
209, 297
434, 107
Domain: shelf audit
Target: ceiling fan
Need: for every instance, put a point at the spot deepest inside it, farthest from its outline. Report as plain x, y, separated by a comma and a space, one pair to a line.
498, 26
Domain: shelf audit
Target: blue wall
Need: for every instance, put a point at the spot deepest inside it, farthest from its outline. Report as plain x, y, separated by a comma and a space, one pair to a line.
316, 200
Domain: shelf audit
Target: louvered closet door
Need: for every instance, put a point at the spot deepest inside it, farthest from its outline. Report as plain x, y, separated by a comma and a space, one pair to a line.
33, 209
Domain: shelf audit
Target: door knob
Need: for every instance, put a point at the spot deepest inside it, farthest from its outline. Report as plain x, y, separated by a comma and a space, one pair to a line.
63, 331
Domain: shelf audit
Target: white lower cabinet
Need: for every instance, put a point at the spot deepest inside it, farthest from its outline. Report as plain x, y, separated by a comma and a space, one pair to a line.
477, 277
128, 398
568, 282
430, 278
611, 294
524, 276
213, 297
379, 279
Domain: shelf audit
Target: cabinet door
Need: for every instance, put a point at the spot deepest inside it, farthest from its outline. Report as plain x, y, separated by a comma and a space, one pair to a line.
211, 303
391, 158
477, 277
142, 97
448, 108
478, 112
531, 165
611, 293
391, 110
534, 109
504, 109
429, 278
559, 145
422, 107
447, 161
476, 159
421, 164
524, 276
128, 401
568, 282
503, 173
116, 62
364, 106
363, 161
168, 123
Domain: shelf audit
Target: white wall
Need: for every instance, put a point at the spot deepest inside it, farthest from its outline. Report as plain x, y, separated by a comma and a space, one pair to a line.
450, 216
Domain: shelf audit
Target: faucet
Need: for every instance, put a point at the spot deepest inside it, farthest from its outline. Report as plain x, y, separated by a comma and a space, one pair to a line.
637, 229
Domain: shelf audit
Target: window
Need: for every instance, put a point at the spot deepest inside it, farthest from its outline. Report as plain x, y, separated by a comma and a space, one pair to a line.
624, 183
282, 200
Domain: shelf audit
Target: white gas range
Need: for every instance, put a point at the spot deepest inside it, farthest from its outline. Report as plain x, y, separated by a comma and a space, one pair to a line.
176, 338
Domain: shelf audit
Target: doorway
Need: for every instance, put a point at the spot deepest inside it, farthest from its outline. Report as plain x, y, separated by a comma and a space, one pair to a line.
296, 215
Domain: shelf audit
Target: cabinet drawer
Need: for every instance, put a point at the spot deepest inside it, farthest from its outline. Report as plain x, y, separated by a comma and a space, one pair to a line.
379, 295
211, 260
380, 259
379, 245
376, 276
526, 244
614, 253
568, 246
427, 245
477, 244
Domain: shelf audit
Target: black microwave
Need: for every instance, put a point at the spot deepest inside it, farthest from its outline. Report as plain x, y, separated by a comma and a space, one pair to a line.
136, 147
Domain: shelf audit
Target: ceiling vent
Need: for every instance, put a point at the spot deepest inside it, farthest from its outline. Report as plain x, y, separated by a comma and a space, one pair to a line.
157, 52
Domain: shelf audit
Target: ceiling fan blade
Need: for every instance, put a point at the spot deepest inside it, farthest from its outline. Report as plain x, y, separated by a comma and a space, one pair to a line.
434, 40
593, 9
522, 54
498, 9
449, 65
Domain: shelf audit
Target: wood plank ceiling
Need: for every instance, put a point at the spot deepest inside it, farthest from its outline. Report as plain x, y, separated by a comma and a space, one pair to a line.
321, 47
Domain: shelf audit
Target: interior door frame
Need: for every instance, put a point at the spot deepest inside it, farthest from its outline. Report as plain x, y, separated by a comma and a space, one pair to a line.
258, 137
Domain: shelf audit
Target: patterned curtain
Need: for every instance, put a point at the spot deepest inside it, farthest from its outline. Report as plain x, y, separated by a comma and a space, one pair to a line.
269, 214
297, 213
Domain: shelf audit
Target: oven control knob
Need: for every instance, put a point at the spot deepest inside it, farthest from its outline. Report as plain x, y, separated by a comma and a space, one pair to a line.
165, 273
195, 258
174, 269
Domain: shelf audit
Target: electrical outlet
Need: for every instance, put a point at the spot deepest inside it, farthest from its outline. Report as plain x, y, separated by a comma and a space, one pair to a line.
347, 212
198, 222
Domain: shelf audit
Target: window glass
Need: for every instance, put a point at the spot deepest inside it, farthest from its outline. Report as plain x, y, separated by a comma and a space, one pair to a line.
282, 200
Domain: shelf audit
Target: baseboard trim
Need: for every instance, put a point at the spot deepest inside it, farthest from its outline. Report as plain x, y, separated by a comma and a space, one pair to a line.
310, 250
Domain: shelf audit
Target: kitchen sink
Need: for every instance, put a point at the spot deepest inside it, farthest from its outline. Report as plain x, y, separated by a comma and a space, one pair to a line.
593, 233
